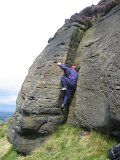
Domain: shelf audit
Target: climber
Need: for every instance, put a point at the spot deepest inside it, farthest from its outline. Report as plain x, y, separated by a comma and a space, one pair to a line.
69, 82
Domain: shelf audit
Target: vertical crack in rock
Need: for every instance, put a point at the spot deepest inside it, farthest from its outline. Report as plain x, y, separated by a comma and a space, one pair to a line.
71, 60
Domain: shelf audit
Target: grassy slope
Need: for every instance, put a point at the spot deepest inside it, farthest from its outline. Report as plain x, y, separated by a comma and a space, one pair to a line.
6, 150
67, 144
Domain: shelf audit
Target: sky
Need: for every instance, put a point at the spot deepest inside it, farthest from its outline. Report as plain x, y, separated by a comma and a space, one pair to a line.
25, 27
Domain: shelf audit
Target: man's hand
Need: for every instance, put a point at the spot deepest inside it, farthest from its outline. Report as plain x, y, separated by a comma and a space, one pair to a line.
59, 63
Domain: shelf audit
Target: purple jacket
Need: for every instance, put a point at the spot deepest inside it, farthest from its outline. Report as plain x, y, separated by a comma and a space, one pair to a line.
73, 75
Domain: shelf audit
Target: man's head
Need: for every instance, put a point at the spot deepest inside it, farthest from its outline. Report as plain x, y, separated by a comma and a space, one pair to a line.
77, 68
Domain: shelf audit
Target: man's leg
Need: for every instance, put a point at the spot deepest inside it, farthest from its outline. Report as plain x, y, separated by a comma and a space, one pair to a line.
65, 99
64, 81
65, 90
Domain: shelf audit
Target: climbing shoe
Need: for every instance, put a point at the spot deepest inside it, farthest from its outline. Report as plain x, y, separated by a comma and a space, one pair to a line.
64, 89
62, 106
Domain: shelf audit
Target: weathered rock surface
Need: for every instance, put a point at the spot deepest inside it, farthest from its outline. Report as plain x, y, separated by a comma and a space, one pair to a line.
38, 112
98, 92
96, 104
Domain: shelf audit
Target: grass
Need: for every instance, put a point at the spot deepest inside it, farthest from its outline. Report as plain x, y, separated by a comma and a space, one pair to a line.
3, 130
6, 150
67, 144
10, 155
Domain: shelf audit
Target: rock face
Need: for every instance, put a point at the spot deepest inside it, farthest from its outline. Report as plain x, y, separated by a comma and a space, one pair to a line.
38, 112
98, 92
96, 103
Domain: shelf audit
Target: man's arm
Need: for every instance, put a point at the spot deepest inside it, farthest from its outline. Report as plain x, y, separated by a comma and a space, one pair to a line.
63, 67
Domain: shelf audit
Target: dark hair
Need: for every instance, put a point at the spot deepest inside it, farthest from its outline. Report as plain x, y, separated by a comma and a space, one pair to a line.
77, 69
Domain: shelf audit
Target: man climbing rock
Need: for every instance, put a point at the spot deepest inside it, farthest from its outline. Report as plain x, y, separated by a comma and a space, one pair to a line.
69, 83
